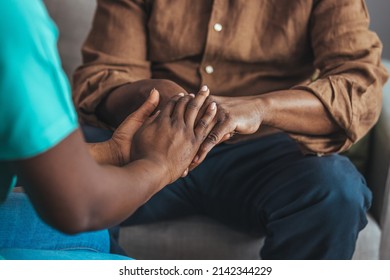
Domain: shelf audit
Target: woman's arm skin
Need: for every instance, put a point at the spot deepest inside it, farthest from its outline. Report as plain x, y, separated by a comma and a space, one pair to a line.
74, 193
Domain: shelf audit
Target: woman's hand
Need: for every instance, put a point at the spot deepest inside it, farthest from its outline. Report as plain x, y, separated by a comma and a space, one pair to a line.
116, 151
120, 143
172, 138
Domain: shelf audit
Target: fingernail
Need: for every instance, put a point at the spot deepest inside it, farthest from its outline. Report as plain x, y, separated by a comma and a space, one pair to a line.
181, 94
213, 106
152, 91
204, 88
192, 95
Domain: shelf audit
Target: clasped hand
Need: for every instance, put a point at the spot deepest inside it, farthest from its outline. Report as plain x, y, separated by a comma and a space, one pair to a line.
235, 115
172, 137
180, 135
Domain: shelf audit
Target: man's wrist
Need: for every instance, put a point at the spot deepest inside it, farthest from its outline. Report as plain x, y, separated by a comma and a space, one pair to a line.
263, 106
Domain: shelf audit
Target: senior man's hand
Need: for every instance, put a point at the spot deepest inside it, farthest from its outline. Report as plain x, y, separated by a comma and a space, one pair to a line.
241, 115
126, 99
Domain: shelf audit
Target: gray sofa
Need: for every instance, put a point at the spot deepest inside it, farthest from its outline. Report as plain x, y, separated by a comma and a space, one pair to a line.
203, 238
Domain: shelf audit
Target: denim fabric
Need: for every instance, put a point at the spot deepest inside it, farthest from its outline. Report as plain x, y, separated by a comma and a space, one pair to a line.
307, 207
31, 254
22, 229
93, 135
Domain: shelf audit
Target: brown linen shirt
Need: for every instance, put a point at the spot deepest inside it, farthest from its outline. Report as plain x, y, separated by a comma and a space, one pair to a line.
238, 48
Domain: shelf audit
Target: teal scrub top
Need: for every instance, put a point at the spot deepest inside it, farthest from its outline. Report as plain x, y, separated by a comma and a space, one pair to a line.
36, 110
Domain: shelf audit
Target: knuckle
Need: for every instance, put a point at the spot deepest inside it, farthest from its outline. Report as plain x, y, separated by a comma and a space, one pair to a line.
221, 112
209, 99
213, 138
201, 136
225, 117
203, 123
203, 150
192, 106
182, 99
174, 99
175, 122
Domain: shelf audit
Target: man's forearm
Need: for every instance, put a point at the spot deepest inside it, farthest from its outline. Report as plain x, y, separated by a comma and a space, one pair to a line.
296, 111
127, 98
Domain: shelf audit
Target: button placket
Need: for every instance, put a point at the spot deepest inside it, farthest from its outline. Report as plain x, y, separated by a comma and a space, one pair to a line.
207, 66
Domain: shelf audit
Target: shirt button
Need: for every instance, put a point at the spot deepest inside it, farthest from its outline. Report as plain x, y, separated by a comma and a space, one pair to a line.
218, 27
209, 69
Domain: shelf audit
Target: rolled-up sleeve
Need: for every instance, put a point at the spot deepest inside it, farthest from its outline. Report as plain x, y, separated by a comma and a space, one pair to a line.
115, 53
351, 76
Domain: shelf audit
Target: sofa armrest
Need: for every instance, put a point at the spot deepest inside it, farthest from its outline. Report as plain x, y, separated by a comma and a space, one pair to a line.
385, 237
379, 171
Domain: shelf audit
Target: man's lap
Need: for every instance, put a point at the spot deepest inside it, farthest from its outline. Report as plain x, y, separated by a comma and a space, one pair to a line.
308, 207
242, 184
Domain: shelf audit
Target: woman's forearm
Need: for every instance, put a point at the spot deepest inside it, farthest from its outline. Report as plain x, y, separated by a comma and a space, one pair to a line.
102, 153
74, 193
132, 186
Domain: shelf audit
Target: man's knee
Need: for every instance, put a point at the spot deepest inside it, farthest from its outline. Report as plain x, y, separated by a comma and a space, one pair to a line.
342, 189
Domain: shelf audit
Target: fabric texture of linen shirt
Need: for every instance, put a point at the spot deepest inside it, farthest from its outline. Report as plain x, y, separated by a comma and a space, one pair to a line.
36, 109
240, 48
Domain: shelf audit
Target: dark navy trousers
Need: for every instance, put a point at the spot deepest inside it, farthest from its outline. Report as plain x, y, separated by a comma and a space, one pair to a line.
308, 207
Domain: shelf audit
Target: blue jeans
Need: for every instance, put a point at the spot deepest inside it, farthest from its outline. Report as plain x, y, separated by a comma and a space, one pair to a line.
23, 235
307, 207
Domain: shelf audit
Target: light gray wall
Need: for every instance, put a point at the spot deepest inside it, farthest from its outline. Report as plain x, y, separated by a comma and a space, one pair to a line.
380, 22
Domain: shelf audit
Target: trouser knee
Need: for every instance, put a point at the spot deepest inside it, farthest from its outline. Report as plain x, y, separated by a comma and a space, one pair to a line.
344, 197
